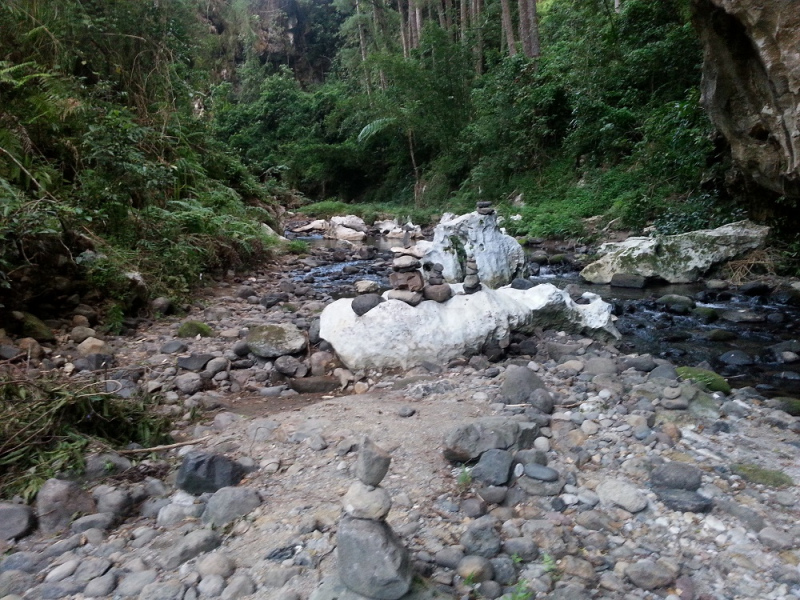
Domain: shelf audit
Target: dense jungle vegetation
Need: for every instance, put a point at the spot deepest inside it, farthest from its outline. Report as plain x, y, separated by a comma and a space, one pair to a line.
158, 137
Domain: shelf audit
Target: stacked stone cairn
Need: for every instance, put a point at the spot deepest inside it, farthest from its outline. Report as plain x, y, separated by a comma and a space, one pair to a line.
371, 559
436, 289
471, 282
406, 279
484, 208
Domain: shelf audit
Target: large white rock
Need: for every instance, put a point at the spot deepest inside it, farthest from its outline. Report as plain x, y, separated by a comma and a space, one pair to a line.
351, 222
679, 258
318, 225
393, 230
499, 257
394, 334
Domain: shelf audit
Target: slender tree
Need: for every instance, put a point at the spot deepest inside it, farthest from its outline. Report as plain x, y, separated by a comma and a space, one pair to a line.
508, 27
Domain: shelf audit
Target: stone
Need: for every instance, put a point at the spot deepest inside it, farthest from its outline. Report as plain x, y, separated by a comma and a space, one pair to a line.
500, 260
287, 365
171, 589
33, 327
371, 559
229, 503
13, 582
211, 586
321, 362
367, 286
366, 502
412, 281
623, 494
316, 384
101, 586
372, 463
736, 358
91, 567
79, 334
405, 296
16, 520
519, 384
628, 280
494, 467
102, 521
684, 500
58, 502
277, 339
161, 306
540, 472
92, 345
131, 584
437, 292
192, 544
649, 575
439, 332
216, 563
195, 362
238, 586
522, 547
677, 475
361, 305
475, 569
200, 472
775, 539
467, 442
481, 537
681, 258
189, 383
578, 567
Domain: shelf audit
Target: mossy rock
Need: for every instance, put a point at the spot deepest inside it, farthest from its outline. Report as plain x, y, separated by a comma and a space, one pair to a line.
721, 335
33, 327
705, 314
714, 382
193, 329
790, 405
755, 474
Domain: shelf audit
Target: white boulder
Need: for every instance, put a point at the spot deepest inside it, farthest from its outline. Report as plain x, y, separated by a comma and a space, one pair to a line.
318, 225
393, 230
499, 257
679, 258
349, 227
394, 334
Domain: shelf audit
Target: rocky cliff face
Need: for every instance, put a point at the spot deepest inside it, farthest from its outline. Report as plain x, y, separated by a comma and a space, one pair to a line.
751, 85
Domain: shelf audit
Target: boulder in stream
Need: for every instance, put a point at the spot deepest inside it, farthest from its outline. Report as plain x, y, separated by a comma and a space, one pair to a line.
679, 258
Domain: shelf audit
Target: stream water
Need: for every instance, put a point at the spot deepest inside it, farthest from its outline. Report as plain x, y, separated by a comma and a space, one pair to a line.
752, 324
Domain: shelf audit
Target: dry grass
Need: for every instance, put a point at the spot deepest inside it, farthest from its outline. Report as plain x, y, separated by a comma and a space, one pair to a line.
758, 263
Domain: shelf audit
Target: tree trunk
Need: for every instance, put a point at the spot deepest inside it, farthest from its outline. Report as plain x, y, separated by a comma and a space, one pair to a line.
534, 29
362, 41
477, 25
448, 16
413, 33
464, 19
508, 27
524, 27
403, 29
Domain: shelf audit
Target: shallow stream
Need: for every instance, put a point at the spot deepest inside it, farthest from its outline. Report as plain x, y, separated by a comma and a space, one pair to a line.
684, 339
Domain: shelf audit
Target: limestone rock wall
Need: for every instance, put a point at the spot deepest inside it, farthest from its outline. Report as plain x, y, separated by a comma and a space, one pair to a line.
751, 85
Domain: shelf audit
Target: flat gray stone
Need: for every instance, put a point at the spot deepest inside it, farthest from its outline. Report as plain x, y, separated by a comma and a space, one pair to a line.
540, 472
649, 575
193, 544
494, 467
372, 463
622, 494
133, 583
481, 537
677, 476
230, 503
16, 520
518, 385
58, 502
171, 589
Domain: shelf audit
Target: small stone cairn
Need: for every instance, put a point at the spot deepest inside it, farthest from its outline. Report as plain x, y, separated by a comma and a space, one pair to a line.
471, 282
436, 289
371, 559
484, 208
406, 279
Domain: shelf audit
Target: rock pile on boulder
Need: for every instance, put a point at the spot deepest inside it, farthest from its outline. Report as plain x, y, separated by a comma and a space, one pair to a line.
436, 289
406, 279
471, 282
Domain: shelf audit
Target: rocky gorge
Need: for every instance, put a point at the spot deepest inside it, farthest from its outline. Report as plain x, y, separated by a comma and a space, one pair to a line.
547, 465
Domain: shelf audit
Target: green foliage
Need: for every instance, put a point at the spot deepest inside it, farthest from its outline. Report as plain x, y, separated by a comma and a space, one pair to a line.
193, 329
521, 591
297, 247
48, 425
755, 474
714, 382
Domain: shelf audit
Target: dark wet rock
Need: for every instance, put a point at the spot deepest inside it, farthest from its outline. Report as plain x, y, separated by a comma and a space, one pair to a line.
540, 472
200, 473
316, 384
271, 300
628, 280
195, 362
364, 303
519, 383
467, 442
683, 500
494, 467
676, 475
522, 284
372, 463
755, 288
735, 358
174, 347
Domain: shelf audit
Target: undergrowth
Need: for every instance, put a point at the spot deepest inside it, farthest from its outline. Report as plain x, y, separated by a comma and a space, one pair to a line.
47, 426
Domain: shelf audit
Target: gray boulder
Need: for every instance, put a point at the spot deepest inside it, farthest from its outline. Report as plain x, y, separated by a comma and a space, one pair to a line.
16, 520
58, 502
230, 503
200, 473
372, 560
468, 442
273, 340
519, 384
372, 463
191, 545
494, 467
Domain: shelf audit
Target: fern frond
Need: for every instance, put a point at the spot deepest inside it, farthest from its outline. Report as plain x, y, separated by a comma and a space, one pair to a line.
376, 126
